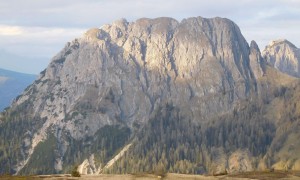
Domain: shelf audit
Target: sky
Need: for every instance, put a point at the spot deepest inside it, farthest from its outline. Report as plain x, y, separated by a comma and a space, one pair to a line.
33, 31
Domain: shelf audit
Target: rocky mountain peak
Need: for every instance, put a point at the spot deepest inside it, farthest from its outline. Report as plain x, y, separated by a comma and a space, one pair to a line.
284, 56
281, 42
121, 74
254, 46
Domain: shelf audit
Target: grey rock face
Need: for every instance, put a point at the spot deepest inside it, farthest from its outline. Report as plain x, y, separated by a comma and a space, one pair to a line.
150, 61
257, 63
284, 56
121, 72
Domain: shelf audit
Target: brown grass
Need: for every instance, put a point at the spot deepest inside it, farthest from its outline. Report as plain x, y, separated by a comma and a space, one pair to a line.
262, 175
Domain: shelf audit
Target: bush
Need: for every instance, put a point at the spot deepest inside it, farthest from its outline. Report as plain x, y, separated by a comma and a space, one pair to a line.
75, 172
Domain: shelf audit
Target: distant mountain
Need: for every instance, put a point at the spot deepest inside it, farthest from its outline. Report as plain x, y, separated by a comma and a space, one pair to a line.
12, 84
24, 64
155, 95
284, 56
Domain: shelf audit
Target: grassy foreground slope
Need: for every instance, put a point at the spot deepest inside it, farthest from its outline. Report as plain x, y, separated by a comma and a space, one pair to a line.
260, 175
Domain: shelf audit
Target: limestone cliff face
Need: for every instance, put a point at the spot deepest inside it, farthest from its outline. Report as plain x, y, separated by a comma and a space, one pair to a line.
284, 56
120, 73
149, 61
124, 70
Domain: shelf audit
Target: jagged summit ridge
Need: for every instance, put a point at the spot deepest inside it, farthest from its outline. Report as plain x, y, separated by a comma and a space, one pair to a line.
202, 38
281, 41
206, 33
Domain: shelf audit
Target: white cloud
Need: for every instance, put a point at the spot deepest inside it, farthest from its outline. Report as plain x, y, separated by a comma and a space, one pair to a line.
36, 41
10, 30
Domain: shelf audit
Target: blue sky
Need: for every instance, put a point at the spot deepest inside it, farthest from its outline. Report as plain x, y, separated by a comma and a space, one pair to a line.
33, 31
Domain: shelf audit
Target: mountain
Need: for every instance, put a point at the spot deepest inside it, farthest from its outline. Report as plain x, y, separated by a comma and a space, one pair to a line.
284, 56
154, 95
11, 85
